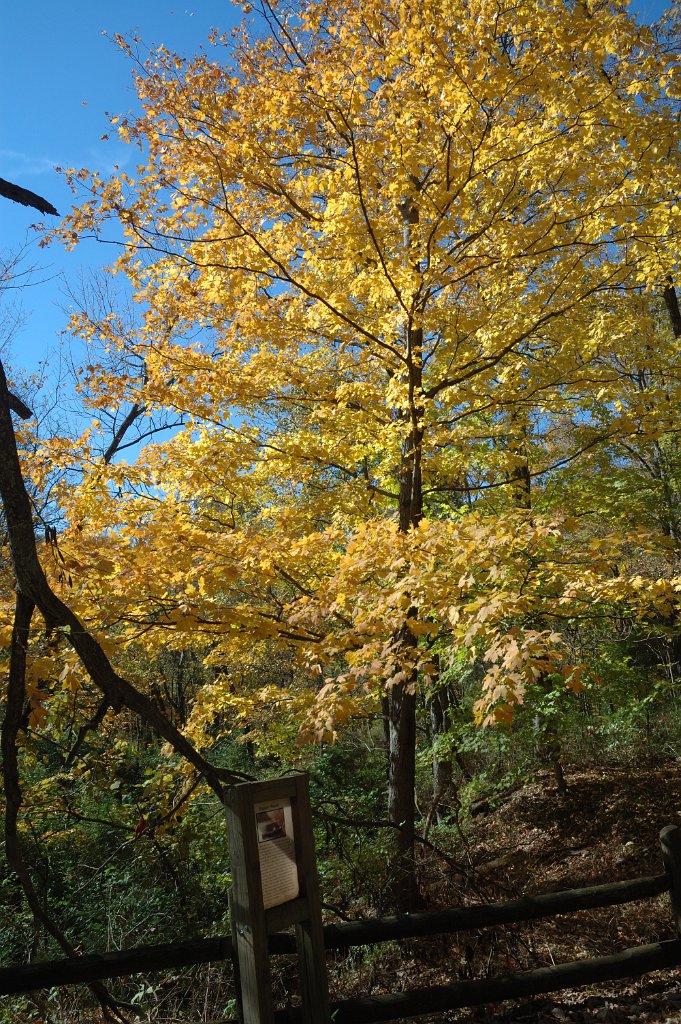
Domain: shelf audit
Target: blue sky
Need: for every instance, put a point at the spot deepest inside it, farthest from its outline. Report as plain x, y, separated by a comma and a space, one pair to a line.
60, 75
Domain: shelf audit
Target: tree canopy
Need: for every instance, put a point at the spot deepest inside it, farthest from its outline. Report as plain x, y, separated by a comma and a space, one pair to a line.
401, 273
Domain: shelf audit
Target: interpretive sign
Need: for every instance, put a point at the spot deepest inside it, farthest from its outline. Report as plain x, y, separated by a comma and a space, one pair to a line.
276, 851
274, 886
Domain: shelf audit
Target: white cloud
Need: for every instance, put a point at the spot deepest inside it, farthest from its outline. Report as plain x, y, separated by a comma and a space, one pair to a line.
15, 164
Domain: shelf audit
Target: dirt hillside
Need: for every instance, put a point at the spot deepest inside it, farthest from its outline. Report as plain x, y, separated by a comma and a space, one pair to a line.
605, 829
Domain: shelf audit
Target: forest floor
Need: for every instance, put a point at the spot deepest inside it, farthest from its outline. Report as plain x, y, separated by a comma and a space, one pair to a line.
529, 841
605, 829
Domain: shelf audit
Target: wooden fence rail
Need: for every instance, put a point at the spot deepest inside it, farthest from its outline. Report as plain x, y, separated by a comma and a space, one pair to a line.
628, 963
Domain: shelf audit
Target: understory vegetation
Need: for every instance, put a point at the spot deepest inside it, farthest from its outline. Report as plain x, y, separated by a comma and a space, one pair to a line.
114, 874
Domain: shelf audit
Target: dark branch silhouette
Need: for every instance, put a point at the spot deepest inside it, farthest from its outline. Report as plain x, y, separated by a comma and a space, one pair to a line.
672, 303
19, 407
22, 195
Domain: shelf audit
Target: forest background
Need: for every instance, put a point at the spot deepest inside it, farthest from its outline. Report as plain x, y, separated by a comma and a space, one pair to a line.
380, 477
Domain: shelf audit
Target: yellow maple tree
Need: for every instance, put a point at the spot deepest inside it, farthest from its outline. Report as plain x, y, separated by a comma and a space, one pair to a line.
378, 248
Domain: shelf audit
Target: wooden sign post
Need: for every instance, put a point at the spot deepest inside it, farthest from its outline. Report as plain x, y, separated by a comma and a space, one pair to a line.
274, 886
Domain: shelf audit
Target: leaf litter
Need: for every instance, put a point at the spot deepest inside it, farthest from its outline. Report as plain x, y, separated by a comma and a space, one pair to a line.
604, 829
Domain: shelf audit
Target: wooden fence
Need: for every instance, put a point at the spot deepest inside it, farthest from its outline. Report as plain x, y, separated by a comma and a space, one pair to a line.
628, 963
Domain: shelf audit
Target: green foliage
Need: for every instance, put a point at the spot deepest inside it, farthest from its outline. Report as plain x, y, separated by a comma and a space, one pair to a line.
347, 786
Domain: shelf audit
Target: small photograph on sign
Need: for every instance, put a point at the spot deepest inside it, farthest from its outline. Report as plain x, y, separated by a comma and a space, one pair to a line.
271, 824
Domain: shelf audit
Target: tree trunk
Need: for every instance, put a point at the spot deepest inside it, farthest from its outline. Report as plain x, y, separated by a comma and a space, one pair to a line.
401, 696
401, 719
401, 783
443, 776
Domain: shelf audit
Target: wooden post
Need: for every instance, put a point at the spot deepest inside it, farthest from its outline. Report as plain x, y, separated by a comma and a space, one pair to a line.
235, 959
261, 817
248, 913
670, 841
309, 931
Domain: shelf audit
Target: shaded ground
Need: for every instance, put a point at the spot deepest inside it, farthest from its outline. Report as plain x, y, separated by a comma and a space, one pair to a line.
605, 829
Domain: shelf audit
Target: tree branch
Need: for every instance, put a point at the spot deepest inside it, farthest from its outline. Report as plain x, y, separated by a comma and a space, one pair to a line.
672, 303
32, 585
16, 699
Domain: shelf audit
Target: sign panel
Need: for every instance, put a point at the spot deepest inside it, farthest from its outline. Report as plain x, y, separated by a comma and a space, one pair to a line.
276, 852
